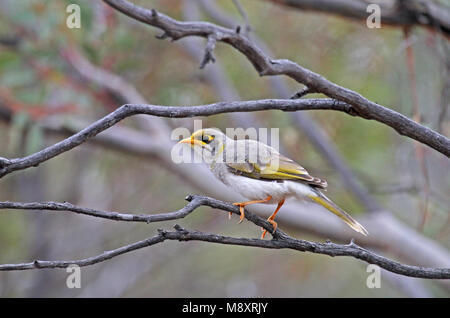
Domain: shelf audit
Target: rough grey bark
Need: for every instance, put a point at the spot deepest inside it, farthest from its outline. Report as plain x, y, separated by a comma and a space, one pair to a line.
265, 66
9, 165
280, 239
422, 13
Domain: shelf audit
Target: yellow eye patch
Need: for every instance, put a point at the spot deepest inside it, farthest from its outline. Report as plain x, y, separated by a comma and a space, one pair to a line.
207, 139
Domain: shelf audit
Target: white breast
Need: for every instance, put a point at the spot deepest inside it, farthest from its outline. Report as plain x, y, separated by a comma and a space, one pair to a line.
255, 189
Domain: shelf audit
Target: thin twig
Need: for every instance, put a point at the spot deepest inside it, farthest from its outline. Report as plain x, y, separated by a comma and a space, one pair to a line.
209, 49
419, 148
244, 15
301, 93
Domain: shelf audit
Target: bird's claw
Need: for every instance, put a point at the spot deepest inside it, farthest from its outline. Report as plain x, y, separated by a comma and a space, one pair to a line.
263, 234
241, 218
241, 210
274, 224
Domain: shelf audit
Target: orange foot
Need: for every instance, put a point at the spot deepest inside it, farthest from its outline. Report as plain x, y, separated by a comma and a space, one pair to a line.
242, 205
271, 220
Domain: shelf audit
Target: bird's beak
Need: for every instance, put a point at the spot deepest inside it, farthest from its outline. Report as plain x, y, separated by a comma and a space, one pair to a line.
191, 141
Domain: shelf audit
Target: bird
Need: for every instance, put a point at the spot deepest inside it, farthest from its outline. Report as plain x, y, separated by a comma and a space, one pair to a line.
261, 174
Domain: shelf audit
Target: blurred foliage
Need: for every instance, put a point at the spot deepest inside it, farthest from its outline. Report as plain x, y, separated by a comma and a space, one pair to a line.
38, 84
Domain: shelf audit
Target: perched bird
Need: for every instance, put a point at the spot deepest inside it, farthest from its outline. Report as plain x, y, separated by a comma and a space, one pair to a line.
261, 174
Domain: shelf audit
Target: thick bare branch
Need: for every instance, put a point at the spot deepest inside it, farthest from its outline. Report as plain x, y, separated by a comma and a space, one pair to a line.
301, 93
280, 239
396, 13
266, 66
128, 110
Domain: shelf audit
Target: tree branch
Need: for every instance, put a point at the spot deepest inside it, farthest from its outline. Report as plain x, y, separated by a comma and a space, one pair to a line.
127, 110
265, 66
194, 203
422, 13
280, 239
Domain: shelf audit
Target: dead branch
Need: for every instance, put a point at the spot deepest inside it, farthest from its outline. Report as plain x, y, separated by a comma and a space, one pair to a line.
421, 13
127, 110
280, 239
362, 107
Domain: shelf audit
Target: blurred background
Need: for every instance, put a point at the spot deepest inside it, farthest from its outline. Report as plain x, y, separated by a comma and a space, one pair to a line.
55, 81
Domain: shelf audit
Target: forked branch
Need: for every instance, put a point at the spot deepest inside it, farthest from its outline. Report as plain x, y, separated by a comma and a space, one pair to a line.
266, 66
280, 239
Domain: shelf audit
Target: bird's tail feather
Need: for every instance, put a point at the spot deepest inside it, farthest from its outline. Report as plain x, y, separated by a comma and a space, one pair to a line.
321, 199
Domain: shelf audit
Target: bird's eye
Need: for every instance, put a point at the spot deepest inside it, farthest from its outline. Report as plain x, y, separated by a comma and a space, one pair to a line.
207, 139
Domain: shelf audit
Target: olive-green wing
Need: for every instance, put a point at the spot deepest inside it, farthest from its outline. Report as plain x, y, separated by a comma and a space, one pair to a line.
274, 167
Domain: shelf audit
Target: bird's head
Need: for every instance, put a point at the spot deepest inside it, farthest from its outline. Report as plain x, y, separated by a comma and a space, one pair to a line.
207, 142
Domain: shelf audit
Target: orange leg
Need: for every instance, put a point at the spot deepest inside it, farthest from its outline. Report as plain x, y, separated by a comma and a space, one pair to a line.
242, 205
271, 219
